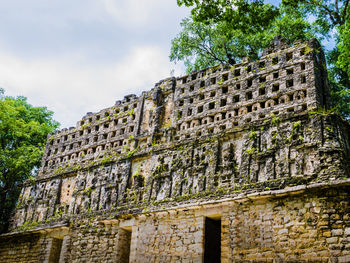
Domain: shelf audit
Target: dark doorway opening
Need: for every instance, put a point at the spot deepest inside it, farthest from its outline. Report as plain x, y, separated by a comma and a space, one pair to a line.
124, 243
212, 248
55, 250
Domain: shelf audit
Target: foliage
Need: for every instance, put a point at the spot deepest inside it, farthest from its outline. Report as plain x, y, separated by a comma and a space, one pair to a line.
246, 16
23, 132
225, 31
205, 44
200, 45
327, 13
344, 48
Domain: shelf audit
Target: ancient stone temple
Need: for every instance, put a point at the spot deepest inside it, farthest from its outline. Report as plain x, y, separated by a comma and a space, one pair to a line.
242, 163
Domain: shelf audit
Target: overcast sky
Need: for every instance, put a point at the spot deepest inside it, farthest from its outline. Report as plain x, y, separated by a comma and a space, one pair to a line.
75, 56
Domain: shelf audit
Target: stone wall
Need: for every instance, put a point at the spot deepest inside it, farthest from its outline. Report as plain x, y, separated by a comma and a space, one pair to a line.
252, 148
254, 125
309, 224
26, 249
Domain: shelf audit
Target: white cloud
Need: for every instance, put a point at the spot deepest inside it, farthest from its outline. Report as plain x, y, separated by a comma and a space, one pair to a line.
142, 12
79, 56
70, 87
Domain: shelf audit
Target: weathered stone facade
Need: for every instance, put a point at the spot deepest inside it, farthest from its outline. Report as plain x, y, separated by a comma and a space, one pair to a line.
238, 164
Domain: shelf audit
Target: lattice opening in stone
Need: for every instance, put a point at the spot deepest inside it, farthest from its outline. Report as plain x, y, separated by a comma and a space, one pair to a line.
223, 102
189, 112
262, 91
249, 108
249, 95
211, 105
249, 83
274, 60
275, 87
303, 79
200, 109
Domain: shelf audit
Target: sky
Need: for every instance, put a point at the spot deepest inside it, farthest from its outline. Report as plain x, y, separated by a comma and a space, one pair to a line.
79, 56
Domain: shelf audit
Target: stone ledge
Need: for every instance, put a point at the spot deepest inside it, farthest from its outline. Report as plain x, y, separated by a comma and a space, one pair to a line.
295, 190
42, 230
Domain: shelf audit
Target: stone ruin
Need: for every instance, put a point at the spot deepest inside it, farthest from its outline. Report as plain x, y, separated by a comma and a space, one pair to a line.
242, 163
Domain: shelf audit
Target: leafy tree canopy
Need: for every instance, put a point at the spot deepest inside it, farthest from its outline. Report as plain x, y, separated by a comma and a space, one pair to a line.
225, 31
237, 13
205, 44
23, 133
344, 47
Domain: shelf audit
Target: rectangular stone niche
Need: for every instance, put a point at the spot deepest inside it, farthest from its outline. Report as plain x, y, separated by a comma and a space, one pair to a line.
55, 251
212, 240
124, 243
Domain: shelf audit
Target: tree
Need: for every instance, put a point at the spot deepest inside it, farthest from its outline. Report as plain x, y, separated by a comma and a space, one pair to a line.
245, 27
331, 19
247, 16
204, 44
344, 48
23, 132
